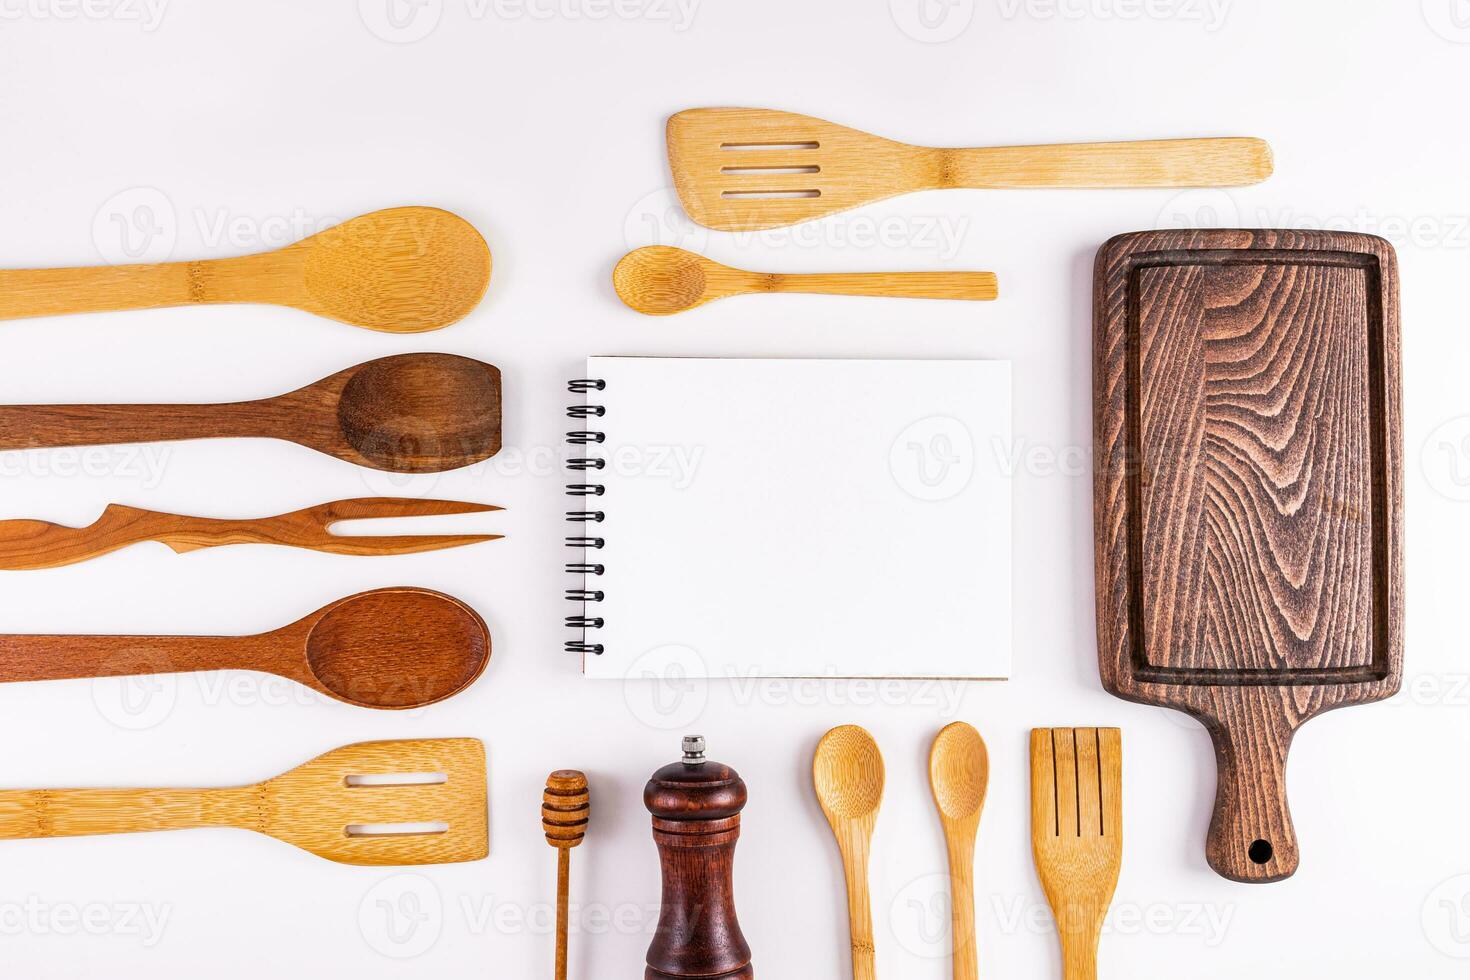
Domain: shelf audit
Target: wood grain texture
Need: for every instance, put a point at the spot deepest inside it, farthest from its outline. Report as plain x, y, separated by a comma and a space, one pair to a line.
28, 545
1077, 834
749, 169
312, 806
566, 807
407, 413
1248, 497
848, 773
388, 648
402, 270
696, 823
959, 774
659, 280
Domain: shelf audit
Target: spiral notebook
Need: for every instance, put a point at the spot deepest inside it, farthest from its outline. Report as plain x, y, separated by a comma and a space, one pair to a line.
749, 518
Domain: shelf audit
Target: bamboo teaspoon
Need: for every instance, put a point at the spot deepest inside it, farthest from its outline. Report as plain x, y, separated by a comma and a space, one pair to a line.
959, 772
409, 413
389, 648
848, 774
401, 270
660, 279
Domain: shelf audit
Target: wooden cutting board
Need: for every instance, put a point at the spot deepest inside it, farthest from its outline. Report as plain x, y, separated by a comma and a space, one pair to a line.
1248, 497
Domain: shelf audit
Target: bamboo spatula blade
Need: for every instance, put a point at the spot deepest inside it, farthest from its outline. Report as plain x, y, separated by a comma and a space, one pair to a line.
751, 169
414, 801
1077, 834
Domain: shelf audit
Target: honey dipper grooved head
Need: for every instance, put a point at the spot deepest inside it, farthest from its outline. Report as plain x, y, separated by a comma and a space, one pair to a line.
565, 808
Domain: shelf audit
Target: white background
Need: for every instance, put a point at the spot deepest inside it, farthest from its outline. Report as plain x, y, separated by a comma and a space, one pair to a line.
219, 129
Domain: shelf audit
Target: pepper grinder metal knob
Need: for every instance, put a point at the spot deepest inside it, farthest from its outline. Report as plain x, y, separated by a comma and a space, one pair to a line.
696, 808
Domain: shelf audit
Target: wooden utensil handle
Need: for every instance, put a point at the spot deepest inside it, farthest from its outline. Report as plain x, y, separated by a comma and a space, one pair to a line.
860, 914
1251, 834
32, 813
914, 285
50, 426
96, 289
962, 909
61, 657
1221, 162
1079, 950
563, 877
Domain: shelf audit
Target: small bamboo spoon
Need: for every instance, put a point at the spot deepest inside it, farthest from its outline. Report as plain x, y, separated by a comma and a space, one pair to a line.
408, 413
848, 774
659, 280
401, 270
389, 648
959, 772
565, 808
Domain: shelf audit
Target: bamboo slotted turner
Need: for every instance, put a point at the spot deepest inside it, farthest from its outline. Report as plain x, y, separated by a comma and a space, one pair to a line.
1077, 834
750, 169
27, 545
415, 801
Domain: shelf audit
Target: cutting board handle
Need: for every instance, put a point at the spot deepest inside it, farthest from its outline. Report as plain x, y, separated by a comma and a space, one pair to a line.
1251, 837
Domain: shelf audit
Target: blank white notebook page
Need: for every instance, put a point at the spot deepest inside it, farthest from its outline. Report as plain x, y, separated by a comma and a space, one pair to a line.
802, 518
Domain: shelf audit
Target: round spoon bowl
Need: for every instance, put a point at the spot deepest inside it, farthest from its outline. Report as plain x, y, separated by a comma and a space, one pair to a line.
959, 771
848, 772
403, 270
659, 280
397, 648
422, 413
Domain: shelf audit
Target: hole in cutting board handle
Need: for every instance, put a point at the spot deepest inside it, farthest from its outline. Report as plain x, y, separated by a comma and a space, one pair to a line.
1260, 851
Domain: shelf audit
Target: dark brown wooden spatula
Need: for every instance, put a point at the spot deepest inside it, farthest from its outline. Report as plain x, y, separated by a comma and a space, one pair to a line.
389, 648
408, 413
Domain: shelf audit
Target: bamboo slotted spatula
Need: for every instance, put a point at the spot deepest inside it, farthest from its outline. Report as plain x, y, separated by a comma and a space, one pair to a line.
1077, 834
416, 801
400, 270
27, 545
749, 169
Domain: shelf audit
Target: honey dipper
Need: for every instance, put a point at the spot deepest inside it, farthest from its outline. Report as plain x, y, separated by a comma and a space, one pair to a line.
565, 807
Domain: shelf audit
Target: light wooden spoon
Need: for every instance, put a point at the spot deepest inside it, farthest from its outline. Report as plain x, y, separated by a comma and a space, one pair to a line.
660, 279
959, 771
401, 270
848, 773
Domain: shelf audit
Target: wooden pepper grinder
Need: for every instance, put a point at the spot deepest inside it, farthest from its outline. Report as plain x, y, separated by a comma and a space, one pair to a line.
696, 808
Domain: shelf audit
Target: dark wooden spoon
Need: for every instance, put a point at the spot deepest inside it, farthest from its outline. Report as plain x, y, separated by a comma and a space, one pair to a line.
409, 413
389, 648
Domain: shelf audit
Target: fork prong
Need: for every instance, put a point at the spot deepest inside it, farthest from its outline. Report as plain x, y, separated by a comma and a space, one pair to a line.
1043, 784
1064, 745
1089, 793
372, 508
397, 544
1110, 765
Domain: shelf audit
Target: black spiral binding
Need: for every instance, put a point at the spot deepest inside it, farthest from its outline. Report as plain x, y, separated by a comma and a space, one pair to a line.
583, 620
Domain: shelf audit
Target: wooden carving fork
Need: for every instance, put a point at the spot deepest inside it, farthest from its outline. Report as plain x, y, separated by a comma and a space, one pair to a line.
26, 544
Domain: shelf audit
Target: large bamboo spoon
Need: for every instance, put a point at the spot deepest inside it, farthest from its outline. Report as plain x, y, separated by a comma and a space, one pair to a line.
659, 280
848, 773
389, 648
409, 413
959, 772
402, 270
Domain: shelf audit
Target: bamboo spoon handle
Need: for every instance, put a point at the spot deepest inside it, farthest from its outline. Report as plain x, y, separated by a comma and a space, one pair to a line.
1220, 162
39, 657
913, 285
962, 905
859, 907
50, 426
96, 289
32, 813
